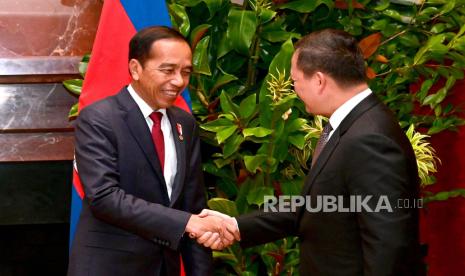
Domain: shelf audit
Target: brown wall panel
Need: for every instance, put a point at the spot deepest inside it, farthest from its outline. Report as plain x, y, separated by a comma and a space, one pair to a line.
20, 147
41, 44
34, 108
43, 65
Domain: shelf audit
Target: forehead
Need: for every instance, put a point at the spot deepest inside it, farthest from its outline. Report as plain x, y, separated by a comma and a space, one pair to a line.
294, 68
171, 50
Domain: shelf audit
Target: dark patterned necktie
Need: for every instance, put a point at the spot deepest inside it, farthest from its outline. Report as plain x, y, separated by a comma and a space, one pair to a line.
321, 142
157, 137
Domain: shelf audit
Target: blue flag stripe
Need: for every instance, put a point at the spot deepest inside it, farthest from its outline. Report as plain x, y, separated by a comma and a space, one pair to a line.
144, 13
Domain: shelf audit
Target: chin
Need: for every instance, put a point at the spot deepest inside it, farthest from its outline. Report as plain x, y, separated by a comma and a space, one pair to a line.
167, 104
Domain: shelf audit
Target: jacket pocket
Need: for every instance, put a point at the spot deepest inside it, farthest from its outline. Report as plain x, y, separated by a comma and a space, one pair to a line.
110, 241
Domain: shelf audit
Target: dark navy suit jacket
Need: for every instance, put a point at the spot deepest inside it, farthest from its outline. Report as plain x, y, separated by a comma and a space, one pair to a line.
368, 154
128, 225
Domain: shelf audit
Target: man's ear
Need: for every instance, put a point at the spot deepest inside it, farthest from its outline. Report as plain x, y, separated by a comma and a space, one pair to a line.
134, 69
320, 81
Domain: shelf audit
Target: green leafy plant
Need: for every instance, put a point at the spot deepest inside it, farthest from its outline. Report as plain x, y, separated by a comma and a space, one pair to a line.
258, 139
425, 155
75, 85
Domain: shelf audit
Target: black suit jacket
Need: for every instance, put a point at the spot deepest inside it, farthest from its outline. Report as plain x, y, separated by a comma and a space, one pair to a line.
128, 225
368, 154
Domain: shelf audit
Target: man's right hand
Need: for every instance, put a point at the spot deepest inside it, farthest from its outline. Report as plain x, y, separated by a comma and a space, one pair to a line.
229, 227
213, 231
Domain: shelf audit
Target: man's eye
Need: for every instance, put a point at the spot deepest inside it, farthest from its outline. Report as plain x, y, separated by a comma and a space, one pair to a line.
167, 71
186, 73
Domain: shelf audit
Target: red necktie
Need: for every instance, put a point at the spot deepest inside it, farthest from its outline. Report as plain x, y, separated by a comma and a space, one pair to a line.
157, 137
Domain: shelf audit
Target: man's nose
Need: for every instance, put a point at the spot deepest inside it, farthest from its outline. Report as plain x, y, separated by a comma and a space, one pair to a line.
177, 79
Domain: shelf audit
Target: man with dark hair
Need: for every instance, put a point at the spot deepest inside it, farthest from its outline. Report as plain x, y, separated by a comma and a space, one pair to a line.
138, 158
362, 154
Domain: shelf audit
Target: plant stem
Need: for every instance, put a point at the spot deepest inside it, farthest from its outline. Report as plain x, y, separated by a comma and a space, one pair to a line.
383, 74
392, 37
253, 60
199, 93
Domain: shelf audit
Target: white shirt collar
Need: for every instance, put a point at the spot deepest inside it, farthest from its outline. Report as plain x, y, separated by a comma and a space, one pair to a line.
143, 106
170, 168
342, 111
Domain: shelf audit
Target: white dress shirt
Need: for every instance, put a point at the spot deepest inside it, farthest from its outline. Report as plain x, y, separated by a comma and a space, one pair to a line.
170, 169
344, 110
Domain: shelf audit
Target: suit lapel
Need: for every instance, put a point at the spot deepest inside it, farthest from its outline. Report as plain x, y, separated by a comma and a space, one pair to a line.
361, 108
180, 144
321, 161
141, 133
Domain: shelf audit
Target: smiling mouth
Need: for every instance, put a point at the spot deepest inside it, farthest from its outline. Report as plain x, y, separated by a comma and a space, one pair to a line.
171, 93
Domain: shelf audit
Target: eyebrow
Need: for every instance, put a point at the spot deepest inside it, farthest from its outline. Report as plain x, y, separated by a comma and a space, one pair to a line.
170, 65
164, 65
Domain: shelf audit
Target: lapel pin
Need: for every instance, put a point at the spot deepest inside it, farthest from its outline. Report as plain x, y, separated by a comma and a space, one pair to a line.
179, 128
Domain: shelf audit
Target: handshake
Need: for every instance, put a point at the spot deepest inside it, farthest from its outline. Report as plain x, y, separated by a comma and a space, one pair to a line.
213, 229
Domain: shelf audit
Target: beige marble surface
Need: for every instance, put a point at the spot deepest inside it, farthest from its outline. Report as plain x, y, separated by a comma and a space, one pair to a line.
47, 27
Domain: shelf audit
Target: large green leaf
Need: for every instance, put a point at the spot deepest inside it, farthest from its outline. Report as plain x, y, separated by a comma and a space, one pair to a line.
179, 18
275, 31
74, 86
227, 186
227, 104
424, 89
224, 46
242, 25
222, 80
246, 187
434, 42
297, 140
257, 132
225, 133
448, 6
266, 15
305, 6
200, 58
212, 5
220, 162
282, 61
198, 33
217, 124
224, 206
459, 44
252, 163
248, 106
211, 169
84, 64
295, 124
436, 98
73, 112
257, 195
458, 59
232, 145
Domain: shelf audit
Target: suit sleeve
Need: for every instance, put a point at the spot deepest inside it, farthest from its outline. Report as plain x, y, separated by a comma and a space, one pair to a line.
262, 227
197, 259
378, 167
97, 162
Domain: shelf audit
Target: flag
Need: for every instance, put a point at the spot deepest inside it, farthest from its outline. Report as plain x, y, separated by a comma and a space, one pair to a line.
108, 68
